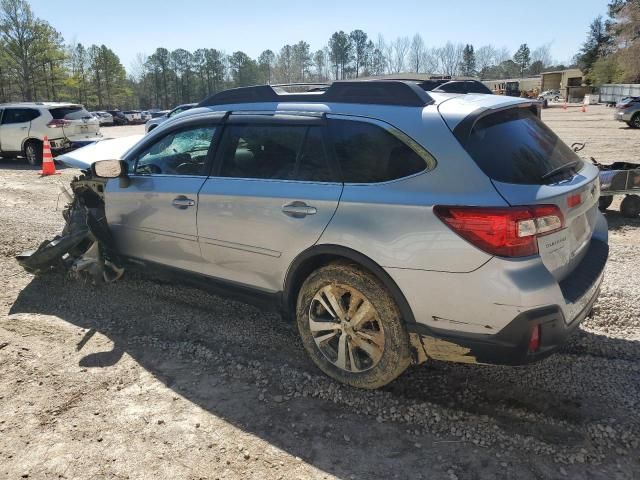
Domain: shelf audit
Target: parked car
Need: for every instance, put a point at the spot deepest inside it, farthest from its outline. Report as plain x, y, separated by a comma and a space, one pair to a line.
24, 125
118, 117
104, 118
133, 116
628, 111
550, 95
154, 122
390, 223
145, 116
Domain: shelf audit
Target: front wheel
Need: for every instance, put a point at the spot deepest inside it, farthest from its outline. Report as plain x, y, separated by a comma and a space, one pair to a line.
33, 152
635, 121
351, 326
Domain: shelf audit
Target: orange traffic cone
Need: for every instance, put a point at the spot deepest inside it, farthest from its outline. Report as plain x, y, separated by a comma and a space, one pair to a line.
48, 167
584, 108
564, 106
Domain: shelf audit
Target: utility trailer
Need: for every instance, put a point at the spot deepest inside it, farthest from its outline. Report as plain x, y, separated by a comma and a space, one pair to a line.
612, 93
619, 178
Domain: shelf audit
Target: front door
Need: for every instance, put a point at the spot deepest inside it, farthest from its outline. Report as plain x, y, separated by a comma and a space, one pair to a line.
154, 217
272, 195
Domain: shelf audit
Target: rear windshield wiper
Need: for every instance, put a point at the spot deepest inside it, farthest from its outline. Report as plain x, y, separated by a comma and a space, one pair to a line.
560, 169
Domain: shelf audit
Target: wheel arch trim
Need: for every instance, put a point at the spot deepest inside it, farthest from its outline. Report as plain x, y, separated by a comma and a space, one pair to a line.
296, 273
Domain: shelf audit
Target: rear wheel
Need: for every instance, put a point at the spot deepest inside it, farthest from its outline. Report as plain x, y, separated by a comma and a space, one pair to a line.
604, 202
630, 206
351, 327
33, 152
635, 121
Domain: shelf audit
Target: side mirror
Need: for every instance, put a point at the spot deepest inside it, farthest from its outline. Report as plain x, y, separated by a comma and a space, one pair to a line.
109, 168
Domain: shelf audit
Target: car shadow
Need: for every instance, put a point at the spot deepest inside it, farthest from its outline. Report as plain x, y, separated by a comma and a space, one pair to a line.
20, 163
138, 308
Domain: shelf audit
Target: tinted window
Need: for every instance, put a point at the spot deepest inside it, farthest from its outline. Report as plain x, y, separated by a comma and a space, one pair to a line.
282, 152
514, 146
178, 153
369, 154
19, 115
69, 113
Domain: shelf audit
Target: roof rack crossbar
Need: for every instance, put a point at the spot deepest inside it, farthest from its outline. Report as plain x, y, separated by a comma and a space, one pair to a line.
377, 92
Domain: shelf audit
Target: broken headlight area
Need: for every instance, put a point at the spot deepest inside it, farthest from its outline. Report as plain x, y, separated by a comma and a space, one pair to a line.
85, 246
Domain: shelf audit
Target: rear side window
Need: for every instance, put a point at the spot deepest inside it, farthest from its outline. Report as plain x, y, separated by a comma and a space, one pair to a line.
19, 115
69, 113
368, 153
514, 146
277, 152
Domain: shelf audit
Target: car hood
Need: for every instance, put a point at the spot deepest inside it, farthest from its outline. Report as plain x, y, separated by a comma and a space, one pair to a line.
109, 149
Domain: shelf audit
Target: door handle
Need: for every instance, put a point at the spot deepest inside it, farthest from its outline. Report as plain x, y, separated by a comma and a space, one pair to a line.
183, 202
298, 209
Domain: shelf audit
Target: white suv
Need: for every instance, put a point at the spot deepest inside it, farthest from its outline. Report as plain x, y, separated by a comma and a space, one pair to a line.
24, 125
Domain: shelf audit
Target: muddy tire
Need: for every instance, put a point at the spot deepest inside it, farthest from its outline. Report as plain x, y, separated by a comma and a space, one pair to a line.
630, 206
635, 121
33, 152
604, 202
351, 326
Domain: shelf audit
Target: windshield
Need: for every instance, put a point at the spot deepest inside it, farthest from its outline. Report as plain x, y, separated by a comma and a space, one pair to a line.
514, 146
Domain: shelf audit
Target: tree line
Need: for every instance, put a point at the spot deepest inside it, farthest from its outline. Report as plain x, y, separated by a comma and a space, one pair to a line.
36, 64
611, 52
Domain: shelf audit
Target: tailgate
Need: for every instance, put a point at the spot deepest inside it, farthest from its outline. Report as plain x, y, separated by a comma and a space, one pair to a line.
577, 199
529, 165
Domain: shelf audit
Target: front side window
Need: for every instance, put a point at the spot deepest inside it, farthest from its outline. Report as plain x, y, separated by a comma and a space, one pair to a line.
277, 152
18, 115
183, 152
368, 153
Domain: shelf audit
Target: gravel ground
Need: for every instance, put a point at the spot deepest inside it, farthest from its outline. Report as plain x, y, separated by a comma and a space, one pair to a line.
147, 379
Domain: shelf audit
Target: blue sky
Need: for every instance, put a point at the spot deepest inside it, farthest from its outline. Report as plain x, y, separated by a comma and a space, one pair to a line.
133, 26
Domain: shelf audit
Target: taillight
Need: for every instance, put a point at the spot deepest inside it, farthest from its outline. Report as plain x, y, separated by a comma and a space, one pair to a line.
505, 232
58, 123
534, 339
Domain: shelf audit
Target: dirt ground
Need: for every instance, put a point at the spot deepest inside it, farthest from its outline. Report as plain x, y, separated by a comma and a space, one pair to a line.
145, 379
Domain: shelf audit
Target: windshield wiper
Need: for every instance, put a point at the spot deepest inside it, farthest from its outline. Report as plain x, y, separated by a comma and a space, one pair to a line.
560, 169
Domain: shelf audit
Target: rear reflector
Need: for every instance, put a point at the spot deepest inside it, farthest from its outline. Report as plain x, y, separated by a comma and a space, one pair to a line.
574, 200
534, 339
505, 232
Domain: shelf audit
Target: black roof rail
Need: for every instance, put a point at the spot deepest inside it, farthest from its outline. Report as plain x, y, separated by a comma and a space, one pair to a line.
377, 92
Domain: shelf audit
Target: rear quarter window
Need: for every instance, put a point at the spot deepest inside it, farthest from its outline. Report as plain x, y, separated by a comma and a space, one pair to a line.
368, 153
515, 146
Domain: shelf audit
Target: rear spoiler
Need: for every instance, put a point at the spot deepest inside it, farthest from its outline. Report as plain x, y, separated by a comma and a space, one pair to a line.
463, 129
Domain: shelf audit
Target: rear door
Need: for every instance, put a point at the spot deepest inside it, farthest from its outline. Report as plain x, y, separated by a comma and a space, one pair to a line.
154, 216
15, 127
529, 164
272, 194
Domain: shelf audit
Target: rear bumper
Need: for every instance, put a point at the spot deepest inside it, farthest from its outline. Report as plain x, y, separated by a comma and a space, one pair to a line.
509, 346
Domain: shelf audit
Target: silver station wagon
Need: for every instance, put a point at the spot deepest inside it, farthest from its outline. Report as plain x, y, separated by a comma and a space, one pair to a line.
391, 223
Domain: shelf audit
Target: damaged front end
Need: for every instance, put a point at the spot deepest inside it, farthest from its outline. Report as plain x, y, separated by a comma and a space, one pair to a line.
86, 246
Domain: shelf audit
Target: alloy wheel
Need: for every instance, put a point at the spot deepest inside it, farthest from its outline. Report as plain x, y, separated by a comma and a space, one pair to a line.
346, 328
31, 154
